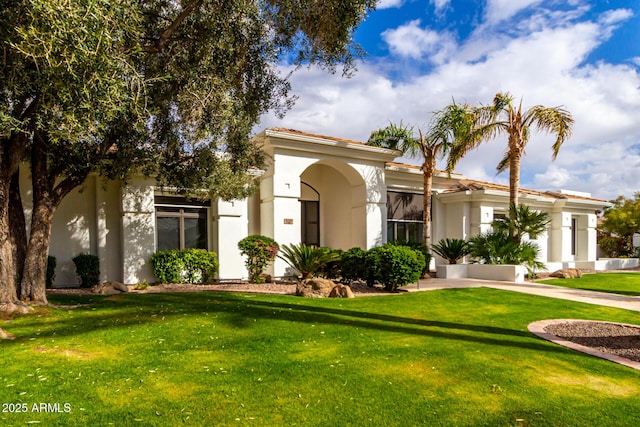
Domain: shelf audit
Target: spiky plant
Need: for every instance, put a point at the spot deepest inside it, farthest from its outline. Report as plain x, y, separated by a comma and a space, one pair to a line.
307, 260
452, 250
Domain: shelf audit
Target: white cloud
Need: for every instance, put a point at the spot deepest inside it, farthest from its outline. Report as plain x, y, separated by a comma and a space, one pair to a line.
543, 66
440, 5
500, 10
386, 4
410, 40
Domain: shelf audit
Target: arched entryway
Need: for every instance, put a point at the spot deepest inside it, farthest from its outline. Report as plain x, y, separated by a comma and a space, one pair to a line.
333, 205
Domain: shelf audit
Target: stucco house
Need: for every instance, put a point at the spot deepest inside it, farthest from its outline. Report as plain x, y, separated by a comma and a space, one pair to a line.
316, 189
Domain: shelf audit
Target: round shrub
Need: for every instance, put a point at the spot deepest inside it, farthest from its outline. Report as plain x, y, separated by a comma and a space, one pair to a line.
394, 266
353, 265
87, 269
184, 266
260, 251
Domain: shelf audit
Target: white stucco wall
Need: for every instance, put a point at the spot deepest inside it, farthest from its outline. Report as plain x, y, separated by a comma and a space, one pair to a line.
138, 230
230, 225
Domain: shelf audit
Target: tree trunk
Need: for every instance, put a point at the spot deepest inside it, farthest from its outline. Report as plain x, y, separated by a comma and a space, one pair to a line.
8, 293
33, 286
46, 199
17, 228
427, 169
514, 177
11, 151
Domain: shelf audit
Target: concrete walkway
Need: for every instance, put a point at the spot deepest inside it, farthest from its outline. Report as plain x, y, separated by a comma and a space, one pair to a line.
579, 295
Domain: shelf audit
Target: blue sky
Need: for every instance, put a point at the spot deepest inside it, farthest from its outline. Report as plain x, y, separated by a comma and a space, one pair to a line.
583, 55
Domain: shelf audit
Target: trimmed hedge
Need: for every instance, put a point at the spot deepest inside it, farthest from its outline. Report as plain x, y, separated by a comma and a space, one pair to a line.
87, 269
393, 266
184, 265
353, 265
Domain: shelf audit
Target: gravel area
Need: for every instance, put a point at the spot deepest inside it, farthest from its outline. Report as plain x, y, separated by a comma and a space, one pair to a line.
612, 338
359, 289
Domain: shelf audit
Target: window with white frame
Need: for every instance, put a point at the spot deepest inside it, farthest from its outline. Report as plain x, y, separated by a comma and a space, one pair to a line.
181, 223
404, 216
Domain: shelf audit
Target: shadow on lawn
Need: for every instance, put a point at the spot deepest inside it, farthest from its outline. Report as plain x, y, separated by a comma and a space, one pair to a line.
135, 310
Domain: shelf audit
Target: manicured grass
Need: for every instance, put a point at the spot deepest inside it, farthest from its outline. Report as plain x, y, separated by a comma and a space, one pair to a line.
441, 358
617, 283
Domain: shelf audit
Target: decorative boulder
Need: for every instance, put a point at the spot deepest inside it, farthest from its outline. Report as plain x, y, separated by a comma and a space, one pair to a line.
110, 288
315, 288
567, 273
341, 291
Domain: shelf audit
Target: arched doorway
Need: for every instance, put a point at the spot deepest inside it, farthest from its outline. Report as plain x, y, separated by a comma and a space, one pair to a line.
333, 205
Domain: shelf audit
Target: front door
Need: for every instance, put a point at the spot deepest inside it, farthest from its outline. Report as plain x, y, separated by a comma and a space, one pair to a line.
310, 222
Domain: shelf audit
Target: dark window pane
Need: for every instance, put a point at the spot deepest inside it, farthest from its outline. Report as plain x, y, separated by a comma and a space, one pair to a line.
195, 233
390, 231
168, 233
407, 206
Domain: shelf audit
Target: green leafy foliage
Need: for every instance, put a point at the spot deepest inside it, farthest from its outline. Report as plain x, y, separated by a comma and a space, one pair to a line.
523, 220
498, 247
452, 250
621, 220
332, 269
184, 265
393, 266
52, 262
420, 247
260, 251
87, 269
308, 261
353, 265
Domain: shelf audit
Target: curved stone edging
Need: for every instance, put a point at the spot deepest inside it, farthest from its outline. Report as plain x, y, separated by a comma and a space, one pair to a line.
537, 328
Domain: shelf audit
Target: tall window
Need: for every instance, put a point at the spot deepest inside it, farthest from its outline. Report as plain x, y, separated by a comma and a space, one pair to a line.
181, 223
404, 216
574, 236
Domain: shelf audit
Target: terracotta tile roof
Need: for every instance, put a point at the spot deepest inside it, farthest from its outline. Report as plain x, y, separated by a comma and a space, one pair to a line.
315, 135
474, 185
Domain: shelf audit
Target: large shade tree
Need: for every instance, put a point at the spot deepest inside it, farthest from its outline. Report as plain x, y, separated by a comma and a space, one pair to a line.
170, 89
447, 126
504, 117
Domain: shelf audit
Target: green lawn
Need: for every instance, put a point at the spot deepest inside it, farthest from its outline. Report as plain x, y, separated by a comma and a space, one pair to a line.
442, 358
617, 283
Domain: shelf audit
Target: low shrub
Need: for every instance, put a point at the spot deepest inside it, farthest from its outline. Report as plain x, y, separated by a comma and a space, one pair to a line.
184, 266
308, 261
87, 269
393, 266
353, 265
420, 247
260, 251
332, 269
51, 271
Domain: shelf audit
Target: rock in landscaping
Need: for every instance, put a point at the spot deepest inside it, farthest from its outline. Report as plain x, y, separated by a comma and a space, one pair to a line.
4, 335
315, 288
110, 288
341, 291
567, 273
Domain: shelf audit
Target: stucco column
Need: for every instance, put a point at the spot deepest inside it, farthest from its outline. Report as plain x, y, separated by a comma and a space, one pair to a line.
480, 219
560, 236
138, 230
280, 214
587, 238
230, 226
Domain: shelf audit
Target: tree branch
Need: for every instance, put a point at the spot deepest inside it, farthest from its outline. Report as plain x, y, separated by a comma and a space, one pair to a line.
166, 34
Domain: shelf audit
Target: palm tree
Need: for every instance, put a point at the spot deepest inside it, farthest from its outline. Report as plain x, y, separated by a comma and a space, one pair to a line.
447, 125
522, 220
502, 117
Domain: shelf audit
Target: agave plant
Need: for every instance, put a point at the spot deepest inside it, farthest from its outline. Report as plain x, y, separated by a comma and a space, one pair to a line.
307, 260
452, 250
